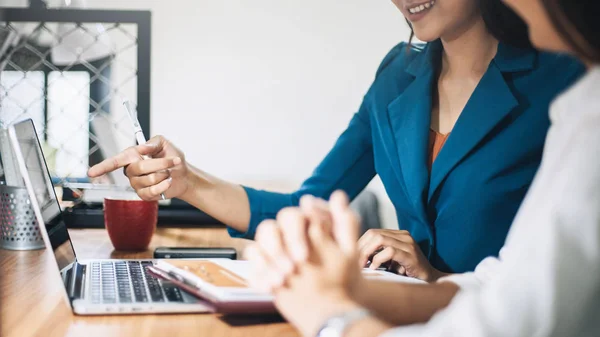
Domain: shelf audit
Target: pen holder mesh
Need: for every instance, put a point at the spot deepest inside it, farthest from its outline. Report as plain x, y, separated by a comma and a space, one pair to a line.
19, 228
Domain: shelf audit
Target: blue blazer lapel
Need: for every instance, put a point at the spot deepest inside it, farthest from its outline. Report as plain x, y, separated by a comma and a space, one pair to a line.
410, 117
490, 103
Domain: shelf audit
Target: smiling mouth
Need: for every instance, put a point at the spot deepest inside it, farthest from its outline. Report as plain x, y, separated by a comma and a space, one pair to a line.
422, 7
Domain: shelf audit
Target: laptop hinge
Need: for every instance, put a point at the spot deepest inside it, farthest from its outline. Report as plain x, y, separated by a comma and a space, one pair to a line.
75, 278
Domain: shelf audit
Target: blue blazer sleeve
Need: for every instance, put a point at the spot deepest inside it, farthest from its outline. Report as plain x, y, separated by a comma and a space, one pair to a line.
349, 166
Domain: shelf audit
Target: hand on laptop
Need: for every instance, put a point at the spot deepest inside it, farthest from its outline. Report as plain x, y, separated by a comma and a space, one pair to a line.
165, 172
397, 247
316, 276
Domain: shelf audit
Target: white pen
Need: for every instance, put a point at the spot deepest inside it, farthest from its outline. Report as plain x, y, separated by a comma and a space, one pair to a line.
137, 128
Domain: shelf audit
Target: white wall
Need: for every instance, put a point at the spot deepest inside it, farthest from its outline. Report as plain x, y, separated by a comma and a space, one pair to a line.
258, 91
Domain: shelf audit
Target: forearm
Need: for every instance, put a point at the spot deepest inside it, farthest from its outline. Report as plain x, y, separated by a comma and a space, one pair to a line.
224, 201
368, 327
309, 322
401, 303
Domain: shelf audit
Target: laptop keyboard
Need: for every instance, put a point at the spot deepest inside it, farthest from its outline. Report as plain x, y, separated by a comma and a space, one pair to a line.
129, 282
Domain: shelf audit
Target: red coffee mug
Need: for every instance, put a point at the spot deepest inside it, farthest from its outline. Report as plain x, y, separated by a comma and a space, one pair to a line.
130, 223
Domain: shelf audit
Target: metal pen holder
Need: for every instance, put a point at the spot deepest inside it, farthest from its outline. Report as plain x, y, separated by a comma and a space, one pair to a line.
19, 228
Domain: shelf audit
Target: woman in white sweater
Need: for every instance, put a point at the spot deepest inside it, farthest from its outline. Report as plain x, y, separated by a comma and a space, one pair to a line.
546, 281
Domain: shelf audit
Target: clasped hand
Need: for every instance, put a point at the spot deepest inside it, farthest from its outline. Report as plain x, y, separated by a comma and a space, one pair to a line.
307, 258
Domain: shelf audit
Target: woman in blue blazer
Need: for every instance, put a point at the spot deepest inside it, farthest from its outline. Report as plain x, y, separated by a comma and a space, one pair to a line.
477, 80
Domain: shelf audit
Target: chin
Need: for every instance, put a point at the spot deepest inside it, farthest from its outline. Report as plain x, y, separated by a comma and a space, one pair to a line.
426, 36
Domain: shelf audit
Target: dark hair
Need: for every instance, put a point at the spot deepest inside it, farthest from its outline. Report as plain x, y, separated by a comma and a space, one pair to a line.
504, 24
582, 16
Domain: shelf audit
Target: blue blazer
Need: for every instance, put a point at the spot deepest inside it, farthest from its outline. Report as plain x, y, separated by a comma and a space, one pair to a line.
461, 212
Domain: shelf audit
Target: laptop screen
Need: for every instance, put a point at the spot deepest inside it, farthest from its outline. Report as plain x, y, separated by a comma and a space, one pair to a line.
45, 195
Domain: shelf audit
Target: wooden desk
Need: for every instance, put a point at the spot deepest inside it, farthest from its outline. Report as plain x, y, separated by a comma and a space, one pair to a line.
32, 302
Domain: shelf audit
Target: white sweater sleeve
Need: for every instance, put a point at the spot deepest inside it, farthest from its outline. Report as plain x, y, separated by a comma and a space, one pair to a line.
546, 281
474, 280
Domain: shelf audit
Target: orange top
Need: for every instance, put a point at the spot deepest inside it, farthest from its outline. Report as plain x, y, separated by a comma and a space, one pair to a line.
436, 142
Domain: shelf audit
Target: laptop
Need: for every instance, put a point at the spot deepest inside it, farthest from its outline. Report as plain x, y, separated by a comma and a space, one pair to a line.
92, 287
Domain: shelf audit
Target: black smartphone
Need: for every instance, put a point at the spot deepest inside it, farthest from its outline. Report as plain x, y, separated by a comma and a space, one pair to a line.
194, 253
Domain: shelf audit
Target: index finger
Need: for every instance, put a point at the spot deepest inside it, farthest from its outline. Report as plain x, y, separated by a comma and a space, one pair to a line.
317, 209
148, 166
122, 159
403, 236
294, 227
346, 222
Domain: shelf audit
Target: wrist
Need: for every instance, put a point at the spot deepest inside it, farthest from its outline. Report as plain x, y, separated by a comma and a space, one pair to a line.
435, 275
193, 183
357, 288
330, 306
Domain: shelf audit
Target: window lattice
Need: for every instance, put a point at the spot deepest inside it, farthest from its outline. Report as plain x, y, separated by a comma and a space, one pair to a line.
71, 79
